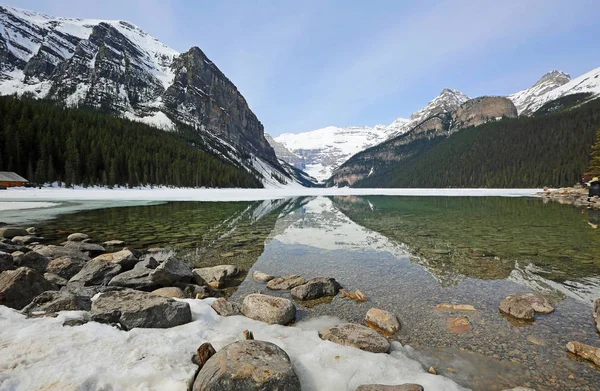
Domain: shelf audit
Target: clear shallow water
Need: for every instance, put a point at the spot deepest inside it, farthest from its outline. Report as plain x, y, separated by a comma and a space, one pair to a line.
407, 254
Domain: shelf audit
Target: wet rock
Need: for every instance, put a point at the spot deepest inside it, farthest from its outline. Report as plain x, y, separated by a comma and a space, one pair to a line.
381, 387
7, 262
171, 291
53, 252
77, 237
9, 232
113, 243
132, 309
596, 314
355, 335
248, 365
138, 277
85, 247
286, 283
66, 267
54, 301
316, 288
587, 352
126, 258
456, 307
215, 276
97, 272
269, 309
28, 239
55, 279
35, 261
382, 320
225, 308
171, 271
523, 306
263, 277
19, 287
459, 324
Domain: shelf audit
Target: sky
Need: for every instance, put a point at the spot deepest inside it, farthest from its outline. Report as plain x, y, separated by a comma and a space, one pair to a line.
304, 65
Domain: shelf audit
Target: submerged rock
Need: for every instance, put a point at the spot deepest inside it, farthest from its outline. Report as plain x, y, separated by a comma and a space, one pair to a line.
523, 306
269, 309
355, 335
132, 309
19, 287
262, 277
316, 288
215, 276
286, 283
381, 387
382, 320
248, 365
225, 308
587, 352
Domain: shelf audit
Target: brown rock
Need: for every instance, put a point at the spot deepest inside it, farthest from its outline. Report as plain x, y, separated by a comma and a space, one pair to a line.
170, 291
382, 320
587, 352
459, 325
263, 277
204, 352
523, 306
355, 335
269, 309
225, 308
19, 287
480, 110
286, 283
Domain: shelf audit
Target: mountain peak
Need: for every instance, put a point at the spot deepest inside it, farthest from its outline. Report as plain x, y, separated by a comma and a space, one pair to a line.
530, 99
555, 77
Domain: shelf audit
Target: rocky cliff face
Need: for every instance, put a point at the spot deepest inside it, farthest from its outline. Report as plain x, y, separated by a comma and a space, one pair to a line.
115, 66
527, 100
483, 109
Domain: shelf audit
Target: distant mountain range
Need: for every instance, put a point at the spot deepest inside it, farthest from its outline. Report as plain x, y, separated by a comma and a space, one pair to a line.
320, 152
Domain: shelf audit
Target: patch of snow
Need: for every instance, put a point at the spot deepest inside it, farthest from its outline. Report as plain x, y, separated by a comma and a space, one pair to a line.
16, 205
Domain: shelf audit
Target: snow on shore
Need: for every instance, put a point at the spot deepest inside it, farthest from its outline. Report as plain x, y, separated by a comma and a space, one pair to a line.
181, 194
42, 354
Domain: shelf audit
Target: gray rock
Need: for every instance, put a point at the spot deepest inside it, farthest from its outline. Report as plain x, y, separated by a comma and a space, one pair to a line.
28, 239
55, 279
91, 248
383, 320
35, 261
171, 271
269, 309
126, 258
114, 243
7, 262
132, 309
11, 232
138, 277
54, 301
263, 277
77, 237
53, 252
85, 293
97, 272
596, 314
381, 387
19, 287
285, 283
226, 308
316, 288
248, 366
523, 306
11, 248
355, 335
66, 267
215, 276
171, 291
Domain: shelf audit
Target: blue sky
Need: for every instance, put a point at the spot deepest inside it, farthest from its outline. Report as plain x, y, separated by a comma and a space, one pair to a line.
304, 65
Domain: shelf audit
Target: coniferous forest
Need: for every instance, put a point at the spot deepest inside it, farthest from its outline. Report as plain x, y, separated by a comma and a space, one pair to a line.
44, 143
550, 150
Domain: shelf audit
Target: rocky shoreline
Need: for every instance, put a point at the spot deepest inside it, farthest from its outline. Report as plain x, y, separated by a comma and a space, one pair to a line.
577, 196
130, 289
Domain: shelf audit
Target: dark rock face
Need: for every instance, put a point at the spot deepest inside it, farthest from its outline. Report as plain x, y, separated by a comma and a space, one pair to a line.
248, 366
132, 309
19, 287
6, 262
480, 110
35, 261
171, 271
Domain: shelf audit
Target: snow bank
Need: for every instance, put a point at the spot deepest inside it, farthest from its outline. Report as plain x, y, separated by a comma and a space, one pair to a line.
42, 354
180, 194
18, 205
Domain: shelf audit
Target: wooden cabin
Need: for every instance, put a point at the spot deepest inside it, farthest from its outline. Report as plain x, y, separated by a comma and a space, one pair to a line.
11, 179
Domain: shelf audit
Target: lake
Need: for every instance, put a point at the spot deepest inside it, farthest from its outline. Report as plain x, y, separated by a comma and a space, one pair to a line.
407, 255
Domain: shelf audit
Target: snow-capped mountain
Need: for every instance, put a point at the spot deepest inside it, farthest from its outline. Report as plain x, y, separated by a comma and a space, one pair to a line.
528, 100
319, 152
116, 66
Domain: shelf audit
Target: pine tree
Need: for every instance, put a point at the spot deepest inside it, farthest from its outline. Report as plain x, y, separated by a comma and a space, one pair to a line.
594, 166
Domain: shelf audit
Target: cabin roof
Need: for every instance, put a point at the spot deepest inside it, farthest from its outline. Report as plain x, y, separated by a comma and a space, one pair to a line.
7, 176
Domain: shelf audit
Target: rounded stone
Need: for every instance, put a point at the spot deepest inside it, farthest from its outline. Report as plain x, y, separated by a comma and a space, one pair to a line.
383, 320
355, 335
269, 309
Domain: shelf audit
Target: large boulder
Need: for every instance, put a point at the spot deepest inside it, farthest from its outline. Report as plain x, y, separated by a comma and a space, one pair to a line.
171, 271
53, 252
132, 309
286, 283
19, 287
524, 306
382, 320
66, 267
34, 261
7, 261
126, 258
54, 301
225, 308
215, 276
596, 314
11, 232
269, 309
138, 277
77, 237
355, 335
381, 387
91, 248
97, 272
248, 366
316, 288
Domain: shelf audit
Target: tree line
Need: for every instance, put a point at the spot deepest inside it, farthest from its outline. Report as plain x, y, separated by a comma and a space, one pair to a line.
45, 142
